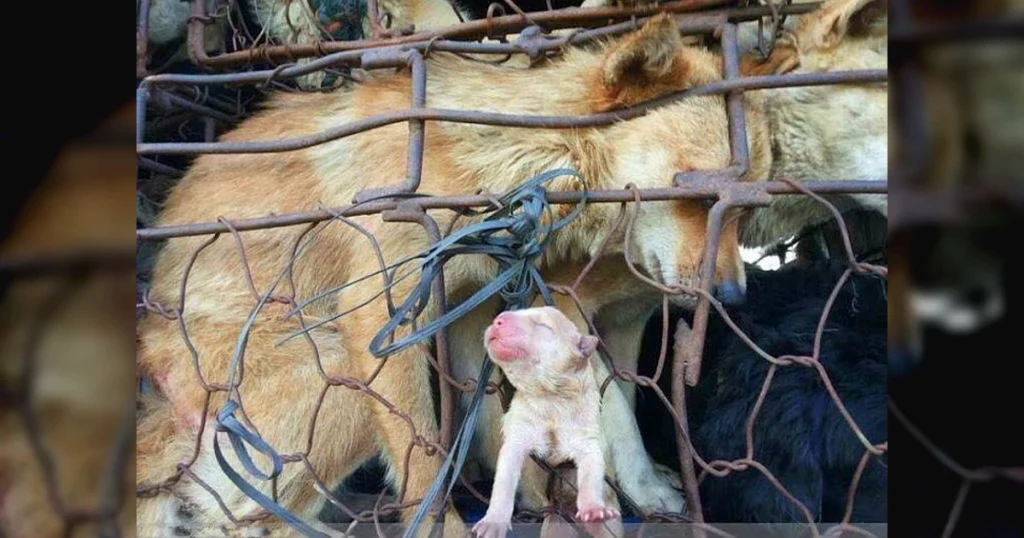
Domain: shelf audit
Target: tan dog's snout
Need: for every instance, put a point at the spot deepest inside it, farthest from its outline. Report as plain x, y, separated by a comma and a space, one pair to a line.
730, 292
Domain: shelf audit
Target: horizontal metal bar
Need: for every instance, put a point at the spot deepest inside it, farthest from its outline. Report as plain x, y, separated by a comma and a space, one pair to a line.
514, 120
477, 29
696, 23
697, 189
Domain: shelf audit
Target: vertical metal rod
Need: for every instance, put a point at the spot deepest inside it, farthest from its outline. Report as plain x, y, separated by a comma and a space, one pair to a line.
680, 358
740, 164
414, 213
441, 343
196, 37
690, 350
417, 132
739, 147
716, 217
414, 162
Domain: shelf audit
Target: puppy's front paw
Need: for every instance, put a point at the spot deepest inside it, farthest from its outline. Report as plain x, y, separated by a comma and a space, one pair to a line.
595, 513
486, 528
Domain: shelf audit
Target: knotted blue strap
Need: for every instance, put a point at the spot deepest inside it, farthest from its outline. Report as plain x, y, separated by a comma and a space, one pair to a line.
516, 250
518, 281
237, 433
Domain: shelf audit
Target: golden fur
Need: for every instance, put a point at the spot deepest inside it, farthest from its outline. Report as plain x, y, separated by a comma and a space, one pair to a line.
824, 132
282, 381
460, 158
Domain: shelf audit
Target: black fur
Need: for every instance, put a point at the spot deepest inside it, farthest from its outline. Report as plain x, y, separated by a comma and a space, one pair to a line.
800, 435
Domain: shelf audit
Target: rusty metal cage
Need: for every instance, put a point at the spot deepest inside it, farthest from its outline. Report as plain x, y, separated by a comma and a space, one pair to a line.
190, 94
192, 100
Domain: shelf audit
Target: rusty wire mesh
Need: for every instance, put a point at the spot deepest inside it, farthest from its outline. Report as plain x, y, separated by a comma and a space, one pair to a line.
684, 356
721, 186
929, 206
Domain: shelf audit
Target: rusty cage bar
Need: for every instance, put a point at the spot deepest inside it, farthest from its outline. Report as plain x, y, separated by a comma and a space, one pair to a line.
710, 17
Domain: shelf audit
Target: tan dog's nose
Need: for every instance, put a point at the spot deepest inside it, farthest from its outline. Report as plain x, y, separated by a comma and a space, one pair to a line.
730, 293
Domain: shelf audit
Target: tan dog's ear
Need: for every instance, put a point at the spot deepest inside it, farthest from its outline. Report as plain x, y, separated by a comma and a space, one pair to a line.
644, 64
821, 29
837, 19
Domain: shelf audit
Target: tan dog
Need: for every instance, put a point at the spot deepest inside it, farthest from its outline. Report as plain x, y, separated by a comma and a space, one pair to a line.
816, 132
282, 381
554, 413
688, 135
823, 132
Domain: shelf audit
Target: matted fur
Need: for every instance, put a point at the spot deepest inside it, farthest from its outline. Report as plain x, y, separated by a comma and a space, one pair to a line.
460, 158
823, 132
282, 381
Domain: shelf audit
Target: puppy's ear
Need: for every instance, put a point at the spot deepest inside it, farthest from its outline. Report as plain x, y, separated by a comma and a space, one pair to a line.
588, 345
643, 64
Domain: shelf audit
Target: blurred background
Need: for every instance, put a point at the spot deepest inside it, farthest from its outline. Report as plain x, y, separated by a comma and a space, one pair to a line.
957, 89
67, 262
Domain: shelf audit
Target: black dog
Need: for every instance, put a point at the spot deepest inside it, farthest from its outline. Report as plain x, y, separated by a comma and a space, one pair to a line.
800, 435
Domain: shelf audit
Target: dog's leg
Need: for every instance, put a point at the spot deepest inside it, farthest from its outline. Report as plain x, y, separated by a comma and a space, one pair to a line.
623, 336
621, 328
279, 393
632, 466
403, 381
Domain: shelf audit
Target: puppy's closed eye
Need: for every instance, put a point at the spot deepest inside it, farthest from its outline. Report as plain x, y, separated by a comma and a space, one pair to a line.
543, 325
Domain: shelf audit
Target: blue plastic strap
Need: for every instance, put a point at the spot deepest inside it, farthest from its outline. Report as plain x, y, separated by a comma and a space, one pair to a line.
229, 424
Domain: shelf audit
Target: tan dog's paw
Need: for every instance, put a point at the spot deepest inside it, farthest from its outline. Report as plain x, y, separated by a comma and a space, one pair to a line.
653, 491
670, 475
